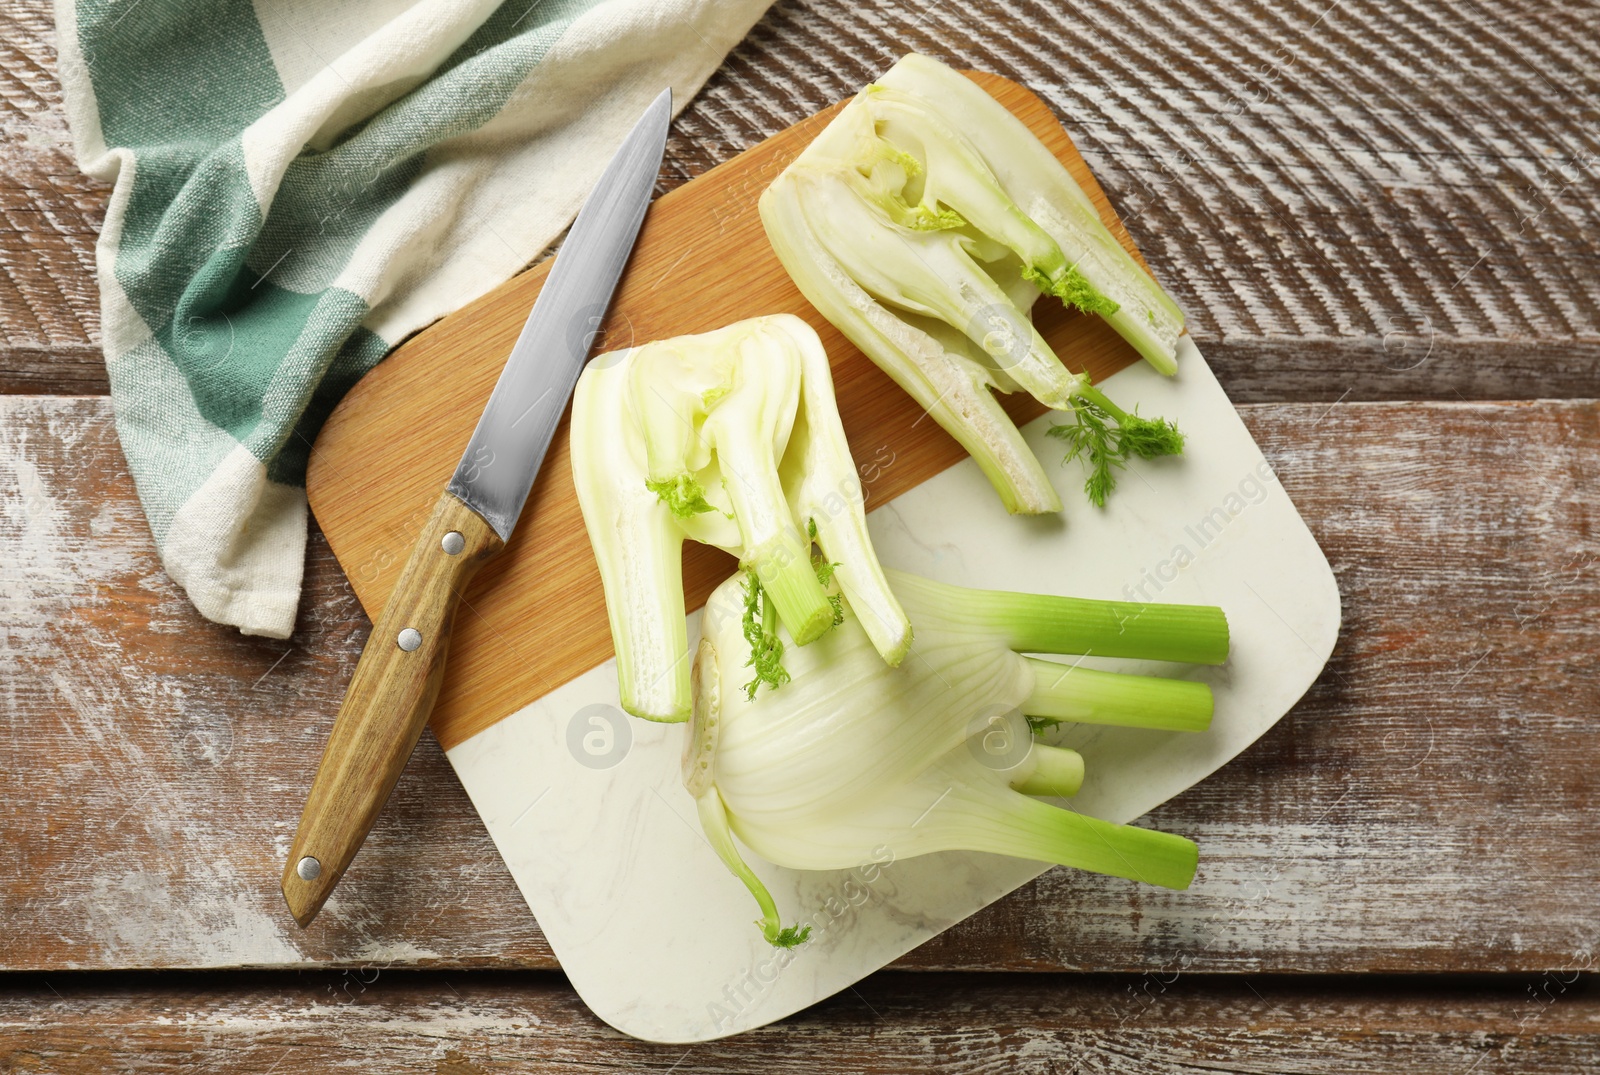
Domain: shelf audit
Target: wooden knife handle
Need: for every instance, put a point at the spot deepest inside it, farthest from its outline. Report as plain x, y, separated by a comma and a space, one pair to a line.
390, 697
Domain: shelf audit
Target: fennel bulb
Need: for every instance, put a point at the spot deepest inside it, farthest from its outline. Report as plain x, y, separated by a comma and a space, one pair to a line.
730, 438
923, 222
852, 755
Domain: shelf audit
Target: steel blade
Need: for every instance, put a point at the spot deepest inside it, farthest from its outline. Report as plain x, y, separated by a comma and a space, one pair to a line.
502, 459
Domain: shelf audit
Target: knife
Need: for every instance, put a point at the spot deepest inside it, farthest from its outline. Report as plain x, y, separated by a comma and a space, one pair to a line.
402, 666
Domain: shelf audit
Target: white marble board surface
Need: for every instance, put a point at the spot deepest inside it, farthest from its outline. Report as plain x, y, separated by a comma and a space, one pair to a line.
586, 806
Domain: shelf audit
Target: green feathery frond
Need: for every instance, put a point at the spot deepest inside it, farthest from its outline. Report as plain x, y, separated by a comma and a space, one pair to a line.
789, 937
825, 572
1074, 289
1148, 438
682, 495
922, 218
766, 648
1105, 436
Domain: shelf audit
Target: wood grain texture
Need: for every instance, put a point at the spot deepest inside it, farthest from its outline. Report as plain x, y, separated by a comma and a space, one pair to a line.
380, 1023
1353, 201
701, 262
387, 703
1430, 805
1350, 194
50, 215
1398, 200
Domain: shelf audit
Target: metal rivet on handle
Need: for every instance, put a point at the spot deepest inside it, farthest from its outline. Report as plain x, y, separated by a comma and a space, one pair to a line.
308, 868
453, 543
410, 639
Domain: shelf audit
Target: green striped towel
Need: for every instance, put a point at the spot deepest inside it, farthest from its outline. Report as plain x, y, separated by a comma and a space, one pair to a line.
300, 184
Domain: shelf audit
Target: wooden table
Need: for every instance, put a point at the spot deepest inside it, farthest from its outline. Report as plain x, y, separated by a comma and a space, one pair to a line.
1382, 219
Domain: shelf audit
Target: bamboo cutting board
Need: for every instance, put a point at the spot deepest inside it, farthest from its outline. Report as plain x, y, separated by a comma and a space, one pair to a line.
535, 617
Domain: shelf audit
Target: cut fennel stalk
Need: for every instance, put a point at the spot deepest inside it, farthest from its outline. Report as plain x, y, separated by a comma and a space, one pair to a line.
923, 222
730, 438
851, 756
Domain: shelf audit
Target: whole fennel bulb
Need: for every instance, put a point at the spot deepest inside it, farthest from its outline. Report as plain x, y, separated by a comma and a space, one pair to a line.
852, 755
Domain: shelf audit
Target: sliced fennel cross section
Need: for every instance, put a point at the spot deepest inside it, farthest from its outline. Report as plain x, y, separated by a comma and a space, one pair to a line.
731, 438
853, 756
923, 222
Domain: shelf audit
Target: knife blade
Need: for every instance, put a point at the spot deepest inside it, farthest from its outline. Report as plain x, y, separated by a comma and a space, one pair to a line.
401, 668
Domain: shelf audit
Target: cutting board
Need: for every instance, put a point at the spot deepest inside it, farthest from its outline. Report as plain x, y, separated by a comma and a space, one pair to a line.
585, 804
535, 617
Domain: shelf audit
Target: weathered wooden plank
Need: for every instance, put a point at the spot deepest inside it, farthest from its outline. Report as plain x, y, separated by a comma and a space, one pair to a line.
1040, 1024
1403, 366
1430, 805
1291, 170
156, 758
1326, 188
50, 215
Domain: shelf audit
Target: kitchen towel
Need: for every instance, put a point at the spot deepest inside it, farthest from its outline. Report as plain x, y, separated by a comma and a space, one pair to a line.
300, 184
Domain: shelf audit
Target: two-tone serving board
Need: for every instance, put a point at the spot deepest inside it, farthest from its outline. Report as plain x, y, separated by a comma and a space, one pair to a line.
585, 804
